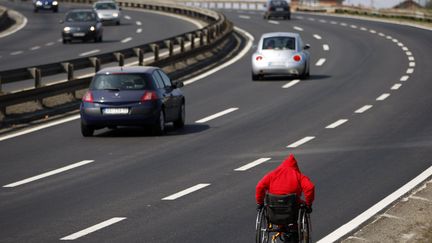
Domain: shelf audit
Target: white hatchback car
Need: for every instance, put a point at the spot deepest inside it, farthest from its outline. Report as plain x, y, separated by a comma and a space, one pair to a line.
107, 11
281, 54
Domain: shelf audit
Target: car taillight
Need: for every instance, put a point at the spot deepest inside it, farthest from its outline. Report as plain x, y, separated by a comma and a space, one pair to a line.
88, 97
258, 58
148, 96
297, 58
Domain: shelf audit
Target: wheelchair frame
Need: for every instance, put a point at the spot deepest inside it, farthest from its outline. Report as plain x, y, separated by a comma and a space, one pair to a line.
267, 232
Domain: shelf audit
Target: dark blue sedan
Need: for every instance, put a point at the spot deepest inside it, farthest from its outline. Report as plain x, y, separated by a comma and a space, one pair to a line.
45, 4
132, 96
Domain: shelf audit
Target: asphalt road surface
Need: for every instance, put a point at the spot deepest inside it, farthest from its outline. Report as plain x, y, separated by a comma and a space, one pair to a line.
359, 127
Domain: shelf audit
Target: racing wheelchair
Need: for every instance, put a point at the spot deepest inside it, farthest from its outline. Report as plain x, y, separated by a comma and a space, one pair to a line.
283, 219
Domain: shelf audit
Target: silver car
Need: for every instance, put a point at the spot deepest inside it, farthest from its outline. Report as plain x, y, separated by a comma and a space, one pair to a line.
282, 54
107, 11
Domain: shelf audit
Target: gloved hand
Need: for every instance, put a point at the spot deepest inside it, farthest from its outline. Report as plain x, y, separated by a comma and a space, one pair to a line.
308, 209
259, 207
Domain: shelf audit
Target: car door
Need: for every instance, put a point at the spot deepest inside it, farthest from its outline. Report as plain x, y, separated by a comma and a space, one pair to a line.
176, 95
167, 96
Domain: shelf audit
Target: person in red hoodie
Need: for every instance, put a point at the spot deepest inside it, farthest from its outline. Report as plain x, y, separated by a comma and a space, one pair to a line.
286, 179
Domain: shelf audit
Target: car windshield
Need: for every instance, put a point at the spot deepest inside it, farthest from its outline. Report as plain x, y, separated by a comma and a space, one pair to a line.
80, 17
120, 82
278, 3
105, 6
279, 43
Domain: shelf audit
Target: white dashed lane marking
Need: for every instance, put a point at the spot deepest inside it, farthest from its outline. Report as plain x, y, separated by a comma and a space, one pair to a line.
410, 70
326, 47
94, 228
317, 37
185, 192
404, 78
383, 97
273, 22
396, 86
125, 40
35, 48
127, 17
252, 164
337, 123
16, 53
363, 109
49, 44
301, 142
49, 173
290, 84
89, 52
298, 28
139, 30
138, 23
219, 114
320, 62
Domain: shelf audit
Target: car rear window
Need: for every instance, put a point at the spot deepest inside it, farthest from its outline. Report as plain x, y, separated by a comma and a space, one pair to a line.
279, 43
121, 82
278, 3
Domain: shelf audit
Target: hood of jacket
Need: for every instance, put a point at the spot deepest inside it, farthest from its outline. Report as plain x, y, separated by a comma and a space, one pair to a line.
289, 162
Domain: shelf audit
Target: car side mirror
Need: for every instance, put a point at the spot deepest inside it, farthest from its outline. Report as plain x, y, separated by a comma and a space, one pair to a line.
306, 47
178, 84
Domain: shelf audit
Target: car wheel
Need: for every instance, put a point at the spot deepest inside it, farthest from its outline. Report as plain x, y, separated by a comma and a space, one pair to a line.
55, 10
159, 127
100, 39
86, 131
255, 77
118, 23
180, 122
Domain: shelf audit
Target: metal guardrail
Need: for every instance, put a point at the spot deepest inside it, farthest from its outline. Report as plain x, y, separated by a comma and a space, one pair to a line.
201, 40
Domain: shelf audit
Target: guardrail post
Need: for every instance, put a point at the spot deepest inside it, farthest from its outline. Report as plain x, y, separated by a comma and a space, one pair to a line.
170, 48
192, 40
36, 73
1, 88
182, 45
208, 38
201, 36
120, 58
69, 70
96, 63
140, 54
156, 52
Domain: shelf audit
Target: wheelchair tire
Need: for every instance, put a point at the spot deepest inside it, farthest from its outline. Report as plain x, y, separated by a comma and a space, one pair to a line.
304, 227
262, 233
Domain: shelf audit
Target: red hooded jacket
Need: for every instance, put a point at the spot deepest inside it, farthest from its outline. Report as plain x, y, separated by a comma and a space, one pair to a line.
286, 179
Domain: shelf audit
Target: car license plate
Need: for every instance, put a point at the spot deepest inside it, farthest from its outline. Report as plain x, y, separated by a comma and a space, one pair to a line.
79, 34
279, 9
276, 64
47, 6
115, 111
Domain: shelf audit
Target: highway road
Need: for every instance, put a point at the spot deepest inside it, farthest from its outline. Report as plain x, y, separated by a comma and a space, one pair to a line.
359, 128
40, 42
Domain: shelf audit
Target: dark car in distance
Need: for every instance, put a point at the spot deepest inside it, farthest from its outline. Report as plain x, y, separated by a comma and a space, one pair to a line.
45, 5
278, 9
132, 96
81, 24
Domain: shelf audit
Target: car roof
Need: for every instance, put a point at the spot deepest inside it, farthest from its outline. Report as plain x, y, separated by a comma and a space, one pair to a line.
82, 10
133, 69
275, 34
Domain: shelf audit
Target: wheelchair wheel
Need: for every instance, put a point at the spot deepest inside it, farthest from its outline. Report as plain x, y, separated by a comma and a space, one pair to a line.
304, 227
262, 233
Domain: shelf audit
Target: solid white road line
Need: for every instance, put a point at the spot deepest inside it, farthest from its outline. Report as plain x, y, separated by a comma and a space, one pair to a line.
383, 97
375, 209
290, 84
396, 86
326, 47
244, 16
228, 63
363, 109
317, 37
40, 127
252, 164
125, 40
50, 173
186, 191
404, 78
93, 228
89, 52
337, 123
273, 22
320, 62
298, 28
300, 142
219, 114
